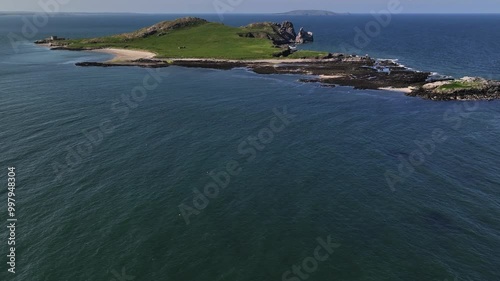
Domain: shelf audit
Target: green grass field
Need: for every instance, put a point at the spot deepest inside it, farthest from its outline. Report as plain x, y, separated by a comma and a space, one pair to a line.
457, 85
208, 40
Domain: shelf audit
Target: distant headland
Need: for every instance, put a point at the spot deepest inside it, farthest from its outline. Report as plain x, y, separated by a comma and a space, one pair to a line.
310, 13
267, 48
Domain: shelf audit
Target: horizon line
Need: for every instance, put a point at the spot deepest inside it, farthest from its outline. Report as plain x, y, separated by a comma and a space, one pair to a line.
248, 13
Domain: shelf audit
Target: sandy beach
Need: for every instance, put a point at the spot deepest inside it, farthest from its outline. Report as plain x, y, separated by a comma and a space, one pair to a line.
406, 90
330, 76
126, 55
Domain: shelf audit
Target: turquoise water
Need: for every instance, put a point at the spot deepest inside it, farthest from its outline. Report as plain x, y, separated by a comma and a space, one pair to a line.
116, 206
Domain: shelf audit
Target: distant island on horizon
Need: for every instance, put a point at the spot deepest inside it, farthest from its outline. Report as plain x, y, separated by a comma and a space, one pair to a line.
310, 13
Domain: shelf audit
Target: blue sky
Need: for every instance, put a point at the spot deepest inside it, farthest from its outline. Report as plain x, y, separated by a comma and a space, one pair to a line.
257, 6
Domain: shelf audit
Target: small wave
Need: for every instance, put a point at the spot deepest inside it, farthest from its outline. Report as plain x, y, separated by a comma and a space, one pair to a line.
381, 65
436, 76
70, 62
394, 61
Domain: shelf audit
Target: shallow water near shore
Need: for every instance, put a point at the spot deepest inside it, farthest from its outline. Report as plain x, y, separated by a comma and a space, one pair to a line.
323, 174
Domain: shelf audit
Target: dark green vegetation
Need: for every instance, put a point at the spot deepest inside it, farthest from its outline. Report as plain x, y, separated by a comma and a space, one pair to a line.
196, 38
458, 85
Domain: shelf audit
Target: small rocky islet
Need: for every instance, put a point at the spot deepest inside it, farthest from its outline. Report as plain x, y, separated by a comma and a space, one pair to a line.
276, 44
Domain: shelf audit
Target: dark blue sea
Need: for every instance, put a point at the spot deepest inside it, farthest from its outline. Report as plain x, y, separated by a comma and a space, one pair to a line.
217, 175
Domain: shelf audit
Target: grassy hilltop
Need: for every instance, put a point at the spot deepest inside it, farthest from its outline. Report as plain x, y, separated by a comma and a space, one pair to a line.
196, 38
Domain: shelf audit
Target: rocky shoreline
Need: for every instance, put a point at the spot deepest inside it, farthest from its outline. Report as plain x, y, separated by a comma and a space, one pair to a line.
360, 72
331, 70
467, 88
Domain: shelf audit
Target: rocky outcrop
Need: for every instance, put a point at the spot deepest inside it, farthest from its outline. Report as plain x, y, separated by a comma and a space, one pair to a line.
145, 63
50, 40
467, 88
287, 30
285, 52
280, 33
304, 36
360, 72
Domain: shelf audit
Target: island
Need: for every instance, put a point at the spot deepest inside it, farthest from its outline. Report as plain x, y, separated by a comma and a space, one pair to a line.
309, 13
268, 48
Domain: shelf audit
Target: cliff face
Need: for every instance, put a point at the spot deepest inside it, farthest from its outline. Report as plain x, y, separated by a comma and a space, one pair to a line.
280, 33
304, 37
287, 31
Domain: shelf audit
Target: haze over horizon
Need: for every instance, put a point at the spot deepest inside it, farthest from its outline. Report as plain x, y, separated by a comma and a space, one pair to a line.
252, 6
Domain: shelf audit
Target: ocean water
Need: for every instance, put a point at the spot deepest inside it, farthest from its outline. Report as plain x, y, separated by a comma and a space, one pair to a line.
113, 213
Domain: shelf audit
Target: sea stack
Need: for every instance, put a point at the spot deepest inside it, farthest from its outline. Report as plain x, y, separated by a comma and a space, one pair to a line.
304, 36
